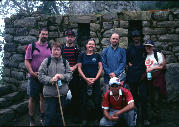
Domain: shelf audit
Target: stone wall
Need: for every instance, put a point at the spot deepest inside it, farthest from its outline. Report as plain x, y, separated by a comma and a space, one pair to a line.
22, 29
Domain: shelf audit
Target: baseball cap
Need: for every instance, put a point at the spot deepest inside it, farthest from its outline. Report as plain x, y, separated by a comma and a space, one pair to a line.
70, 32
114, 80
136, 33
149, 42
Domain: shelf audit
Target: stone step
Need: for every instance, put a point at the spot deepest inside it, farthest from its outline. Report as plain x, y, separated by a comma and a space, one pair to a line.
13, 112
10, 99
6, 89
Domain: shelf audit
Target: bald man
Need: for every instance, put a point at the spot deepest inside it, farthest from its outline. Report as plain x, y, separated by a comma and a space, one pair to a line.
113, 60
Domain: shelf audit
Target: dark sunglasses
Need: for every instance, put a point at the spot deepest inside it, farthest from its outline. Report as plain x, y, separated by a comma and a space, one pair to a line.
115, 85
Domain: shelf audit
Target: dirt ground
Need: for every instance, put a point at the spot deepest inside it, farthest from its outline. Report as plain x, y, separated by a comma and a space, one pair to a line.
169, 118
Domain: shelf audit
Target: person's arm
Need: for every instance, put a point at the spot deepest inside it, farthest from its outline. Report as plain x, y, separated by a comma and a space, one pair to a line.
42, 74
67, 76
104, 62
122, 65
125, 109
29, 68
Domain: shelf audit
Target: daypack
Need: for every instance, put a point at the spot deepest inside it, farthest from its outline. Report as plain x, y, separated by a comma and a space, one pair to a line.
35, 48
49, 61
124, 85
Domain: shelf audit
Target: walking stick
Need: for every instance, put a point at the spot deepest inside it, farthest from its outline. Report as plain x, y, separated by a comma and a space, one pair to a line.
60, 105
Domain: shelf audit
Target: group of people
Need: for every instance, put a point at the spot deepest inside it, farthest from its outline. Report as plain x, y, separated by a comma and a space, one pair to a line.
49, 64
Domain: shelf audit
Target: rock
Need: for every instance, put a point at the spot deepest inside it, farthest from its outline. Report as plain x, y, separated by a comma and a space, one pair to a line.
94, 27
160, 15
92, 34
21, 32
34, 32
171, 59
53, 34
172, 80
105, 41
20, 108
21, 49
9, 31
52, 28
18, 75
58, 19
42, 24
107, 25
123, 42
107, 17
115, 24
122, 32
155, 31
9, 47
6, 115
146, 37
5, 89
124, 24
3, 102
25, 39
22, 66
17, 58
28, 22
176, 49
145, 23
8, 38
177, 30
23, 86
169, 37
7, 72
8, 23
168, 24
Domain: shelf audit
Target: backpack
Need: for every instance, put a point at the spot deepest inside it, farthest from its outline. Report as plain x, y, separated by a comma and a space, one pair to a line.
123, 96
49, 61
35, 48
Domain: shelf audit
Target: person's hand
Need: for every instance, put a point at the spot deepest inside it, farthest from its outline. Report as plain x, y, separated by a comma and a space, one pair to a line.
34, 74
113, 118
149, 69
89, 81
112, 75
130, 64
93, 79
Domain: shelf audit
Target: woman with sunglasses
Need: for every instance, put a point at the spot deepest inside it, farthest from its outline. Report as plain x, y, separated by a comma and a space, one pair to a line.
90, 68
154, 77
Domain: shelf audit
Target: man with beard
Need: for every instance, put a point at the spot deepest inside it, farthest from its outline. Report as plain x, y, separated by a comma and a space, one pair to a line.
70, 52
135, 69
34, 56
113, 60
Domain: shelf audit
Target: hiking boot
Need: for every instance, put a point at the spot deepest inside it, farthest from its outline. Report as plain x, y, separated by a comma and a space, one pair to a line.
42, 122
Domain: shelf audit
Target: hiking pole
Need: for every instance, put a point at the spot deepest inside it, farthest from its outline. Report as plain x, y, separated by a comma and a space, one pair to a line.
60, 105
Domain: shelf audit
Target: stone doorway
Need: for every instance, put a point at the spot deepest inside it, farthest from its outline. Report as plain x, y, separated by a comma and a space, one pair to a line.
83, 34
134, 24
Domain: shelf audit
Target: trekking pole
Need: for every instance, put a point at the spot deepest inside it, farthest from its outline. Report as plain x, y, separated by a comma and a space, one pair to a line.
60, 105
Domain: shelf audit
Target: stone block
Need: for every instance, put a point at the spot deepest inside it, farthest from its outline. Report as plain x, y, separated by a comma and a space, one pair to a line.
170, 59
122, 32
94, 27
22, 66
115, 24
58, 19
105, 42
176, 49
8, 38
25, 39
169, 37
107, 25
21, 49
7, 72
18, 75
34, 32
3, 102
18, 108
53, 28
167, 24
130, 15
123, 42
17, 58
154, 37
81, 18
21, 32
9, 31
42, 24
146, 37
28, 22
108, 17
53, 35
160, 15
155, 31
145, 23
9, 47
177, 30
8, 22
6, 115
96, 41
92, 34
124, 24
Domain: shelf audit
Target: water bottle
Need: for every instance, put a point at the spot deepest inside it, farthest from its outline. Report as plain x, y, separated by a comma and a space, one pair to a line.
59, 83
149, 76
90, 90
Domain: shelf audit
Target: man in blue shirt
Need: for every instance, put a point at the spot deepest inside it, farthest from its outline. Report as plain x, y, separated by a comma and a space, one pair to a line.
113, 60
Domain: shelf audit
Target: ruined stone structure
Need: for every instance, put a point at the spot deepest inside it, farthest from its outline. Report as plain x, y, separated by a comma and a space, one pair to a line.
22, 29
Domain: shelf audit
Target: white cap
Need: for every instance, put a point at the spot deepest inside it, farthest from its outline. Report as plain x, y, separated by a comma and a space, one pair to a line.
114, 80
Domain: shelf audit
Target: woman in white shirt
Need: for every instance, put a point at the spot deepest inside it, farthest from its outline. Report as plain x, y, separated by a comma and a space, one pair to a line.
154, 76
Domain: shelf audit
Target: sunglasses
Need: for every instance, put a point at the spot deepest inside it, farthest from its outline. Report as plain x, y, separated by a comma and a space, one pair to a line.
115, 85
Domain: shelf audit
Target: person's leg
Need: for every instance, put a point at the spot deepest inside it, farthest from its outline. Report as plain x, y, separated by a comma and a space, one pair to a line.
32, 91
42, 108
50, 111
97, 99
130, 118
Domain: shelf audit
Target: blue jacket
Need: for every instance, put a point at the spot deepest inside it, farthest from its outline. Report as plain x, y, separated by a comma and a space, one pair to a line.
113, 61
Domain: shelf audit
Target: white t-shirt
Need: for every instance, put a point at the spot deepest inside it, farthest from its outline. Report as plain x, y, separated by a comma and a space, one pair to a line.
150, 61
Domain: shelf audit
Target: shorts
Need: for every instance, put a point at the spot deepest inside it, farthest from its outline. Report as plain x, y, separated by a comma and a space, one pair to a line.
34, 87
